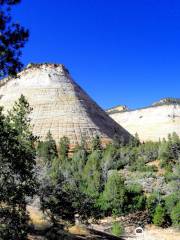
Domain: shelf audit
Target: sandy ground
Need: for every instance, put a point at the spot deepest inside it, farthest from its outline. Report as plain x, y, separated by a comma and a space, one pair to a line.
38, 218
162, 234
151, 232
155, 233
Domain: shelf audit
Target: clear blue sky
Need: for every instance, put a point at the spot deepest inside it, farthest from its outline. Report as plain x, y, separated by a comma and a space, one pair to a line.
120, 52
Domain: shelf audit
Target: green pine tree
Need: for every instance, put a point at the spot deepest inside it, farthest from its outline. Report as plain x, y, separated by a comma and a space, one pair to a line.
17, 170
114, 196
159, 216
47, 150
91, 174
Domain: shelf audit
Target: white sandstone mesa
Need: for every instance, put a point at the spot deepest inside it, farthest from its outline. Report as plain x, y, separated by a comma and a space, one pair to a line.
150, 123
59, 105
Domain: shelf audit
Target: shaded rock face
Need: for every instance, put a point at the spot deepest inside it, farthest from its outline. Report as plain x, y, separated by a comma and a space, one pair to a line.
59, 105
151, 123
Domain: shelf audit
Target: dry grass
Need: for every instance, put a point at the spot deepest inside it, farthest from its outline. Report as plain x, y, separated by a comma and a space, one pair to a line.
165, 234
37, 218
78, 230
156, 163
41, 222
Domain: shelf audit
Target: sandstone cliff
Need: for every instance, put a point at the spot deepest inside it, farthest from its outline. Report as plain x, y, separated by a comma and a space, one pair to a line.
59, 105
151, 123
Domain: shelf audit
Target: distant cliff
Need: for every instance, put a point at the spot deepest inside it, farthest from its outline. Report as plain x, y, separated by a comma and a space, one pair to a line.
151, 123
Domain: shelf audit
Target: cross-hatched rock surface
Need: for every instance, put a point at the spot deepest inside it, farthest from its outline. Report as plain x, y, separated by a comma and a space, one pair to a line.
59, 105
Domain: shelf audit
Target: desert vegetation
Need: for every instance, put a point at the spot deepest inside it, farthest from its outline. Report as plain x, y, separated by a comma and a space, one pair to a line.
89, 180
94, 175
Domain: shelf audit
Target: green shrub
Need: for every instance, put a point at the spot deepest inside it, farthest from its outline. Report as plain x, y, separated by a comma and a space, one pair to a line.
140, 165
91, 174
114, 196
169, 151
174, 183
175, 215
47, 150
149, 151
171, 201
159, 216
151, 204
135, 198
117, 229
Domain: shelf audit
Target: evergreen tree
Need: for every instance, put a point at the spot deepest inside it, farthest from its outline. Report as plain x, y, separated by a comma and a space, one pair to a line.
159, 216
118, 141
61, 164
148, 151
12, 38
134, 141
47, 150
152, 202
17, 170
111, 160
62, 200
63, 148
174, 179
175, 215
164, 153
169, 151
171, 201
114, 196
91, 174
78, 162
96, 143
135, 198
175, 147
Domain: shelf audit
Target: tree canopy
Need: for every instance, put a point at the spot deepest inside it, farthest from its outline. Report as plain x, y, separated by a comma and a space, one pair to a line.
17, 170
12, 39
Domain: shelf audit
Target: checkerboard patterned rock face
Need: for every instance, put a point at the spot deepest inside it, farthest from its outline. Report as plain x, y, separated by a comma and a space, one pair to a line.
59, 105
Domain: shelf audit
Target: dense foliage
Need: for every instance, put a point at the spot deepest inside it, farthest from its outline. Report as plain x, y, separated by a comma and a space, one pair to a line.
12, 38
91, 177
17, 170
90, 180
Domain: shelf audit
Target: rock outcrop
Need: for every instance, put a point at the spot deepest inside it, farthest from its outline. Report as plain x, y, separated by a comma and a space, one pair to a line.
119, 108
59, 105
151, 123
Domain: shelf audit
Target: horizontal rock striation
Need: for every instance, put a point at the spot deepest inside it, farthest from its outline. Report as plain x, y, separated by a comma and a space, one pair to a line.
59, 105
